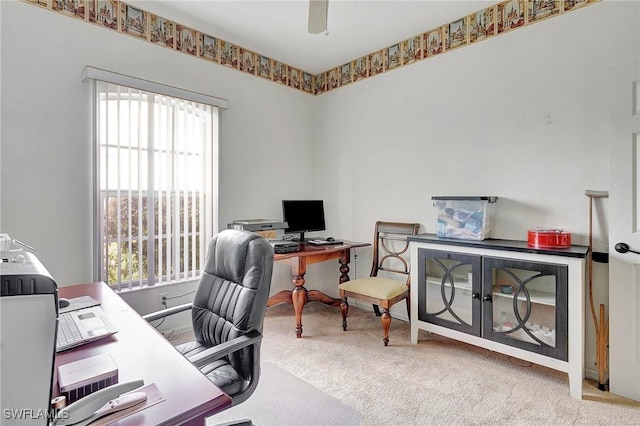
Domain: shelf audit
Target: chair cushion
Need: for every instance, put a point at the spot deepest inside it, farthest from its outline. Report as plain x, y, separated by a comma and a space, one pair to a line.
220, 372
375, 287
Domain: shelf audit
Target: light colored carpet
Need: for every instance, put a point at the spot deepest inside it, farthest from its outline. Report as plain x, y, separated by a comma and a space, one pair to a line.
438, 381
283, 399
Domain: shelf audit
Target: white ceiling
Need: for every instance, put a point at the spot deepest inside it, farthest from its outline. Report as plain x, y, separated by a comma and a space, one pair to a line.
278, 29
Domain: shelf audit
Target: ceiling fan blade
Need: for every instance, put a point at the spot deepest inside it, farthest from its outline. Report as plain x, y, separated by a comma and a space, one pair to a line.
318, 10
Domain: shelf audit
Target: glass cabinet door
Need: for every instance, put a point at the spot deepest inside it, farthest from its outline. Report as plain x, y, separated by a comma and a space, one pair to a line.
449, 290
525, 305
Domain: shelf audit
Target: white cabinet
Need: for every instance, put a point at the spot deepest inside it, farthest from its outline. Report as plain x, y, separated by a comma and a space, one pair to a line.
504, 296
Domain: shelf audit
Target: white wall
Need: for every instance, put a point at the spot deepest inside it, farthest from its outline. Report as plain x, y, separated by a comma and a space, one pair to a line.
46, 158
523, 116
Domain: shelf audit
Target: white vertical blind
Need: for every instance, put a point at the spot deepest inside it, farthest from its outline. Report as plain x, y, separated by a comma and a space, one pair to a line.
157, 167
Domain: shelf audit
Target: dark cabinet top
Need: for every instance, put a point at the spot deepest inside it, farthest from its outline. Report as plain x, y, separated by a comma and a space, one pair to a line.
506, 245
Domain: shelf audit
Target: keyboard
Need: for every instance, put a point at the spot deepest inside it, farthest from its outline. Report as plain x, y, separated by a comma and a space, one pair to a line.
323, 242
68, 332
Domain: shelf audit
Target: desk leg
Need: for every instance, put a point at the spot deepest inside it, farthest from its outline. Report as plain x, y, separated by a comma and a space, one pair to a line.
344, 260
297, 296
300, 296
299, 299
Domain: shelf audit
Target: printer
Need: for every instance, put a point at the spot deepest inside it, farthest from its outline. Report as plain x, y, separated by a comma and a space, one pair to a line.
268, 229
28, 327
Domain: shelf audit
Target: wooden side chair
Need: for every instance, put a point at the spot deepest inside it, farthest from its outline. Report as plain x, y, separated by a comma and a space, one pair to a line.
390, 255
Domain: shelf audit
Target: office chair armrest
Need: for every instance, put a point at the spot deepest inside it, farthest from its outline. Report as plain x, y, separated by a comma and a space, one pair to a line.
166, 312
226, 348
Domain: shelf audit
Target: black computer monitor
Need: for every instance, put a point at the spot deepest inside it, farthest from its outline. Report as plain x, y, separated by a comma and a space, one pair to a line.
303, 216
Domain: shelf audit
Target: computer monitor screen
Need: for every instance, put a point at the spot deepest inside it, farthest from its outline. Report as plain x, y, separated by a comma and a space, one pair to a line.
303, 216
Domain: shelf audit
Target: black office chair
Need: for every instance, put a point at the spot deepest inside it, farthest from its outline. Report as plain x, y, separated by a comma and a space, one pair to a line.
228, 312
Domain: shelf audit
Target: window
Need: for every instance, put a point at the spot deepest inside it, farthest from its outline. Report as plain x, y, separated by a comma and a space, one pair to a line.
156, 174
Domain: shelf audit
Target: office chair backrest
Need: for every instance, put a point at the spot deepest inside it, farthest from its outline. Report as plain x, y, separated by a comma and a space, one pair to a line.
390, 248
232, 294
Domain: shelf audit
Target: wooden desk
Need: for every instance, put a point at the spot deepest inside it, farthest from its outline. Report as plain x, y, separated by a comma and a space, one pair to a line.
140, 352
309, 254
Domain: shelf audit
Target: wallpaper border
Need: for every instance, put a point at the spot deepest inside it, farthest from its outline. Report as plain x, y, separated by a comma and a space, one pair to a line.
484, 24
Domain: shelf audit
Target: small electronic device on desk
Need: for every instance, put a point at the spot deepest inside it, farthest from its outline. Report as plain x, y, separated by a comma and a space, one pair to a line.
101, 403
81, 302
329, 241
284, 246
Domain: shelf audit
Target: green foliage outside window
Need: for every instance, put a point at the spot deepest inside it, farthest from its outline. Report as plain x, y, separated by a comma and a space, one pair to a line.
128, 238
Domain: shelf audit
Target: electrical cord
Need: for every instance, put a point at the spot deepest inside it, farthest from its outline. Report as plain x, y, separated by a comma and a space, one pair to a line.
355, 272
176, 297
160, 323
164, 303
355, 264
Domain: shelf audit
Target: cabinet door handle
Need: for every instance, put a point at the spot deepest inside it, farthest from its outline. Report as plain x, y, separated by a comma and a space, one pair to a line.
487, 298
475, 296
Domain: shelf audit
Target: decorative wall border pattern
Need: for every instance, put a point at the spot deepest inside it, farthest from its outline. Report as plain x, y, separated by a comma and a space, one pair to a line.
489, 22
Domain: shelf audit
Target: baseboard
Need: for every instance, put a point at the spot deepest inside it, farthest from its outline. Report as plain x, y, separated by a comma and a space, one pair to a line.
593, 374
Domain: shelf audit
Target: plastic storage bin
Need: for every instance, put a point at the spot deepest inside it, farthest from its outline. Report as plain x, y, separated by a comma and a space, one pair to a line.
465, 218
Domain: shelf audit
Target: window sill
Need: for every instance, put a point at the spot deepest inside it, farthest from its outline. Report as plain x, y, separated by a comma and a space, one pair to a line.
163, 286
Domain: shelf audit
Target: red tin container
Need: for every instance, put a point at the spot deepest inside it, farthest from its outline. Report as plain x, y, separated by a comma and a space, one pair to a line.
548, 238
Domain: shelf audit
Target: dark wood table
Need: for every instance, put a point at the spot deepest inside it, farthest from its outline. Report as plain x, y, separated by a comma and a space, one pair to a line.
140, 352
299, 260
